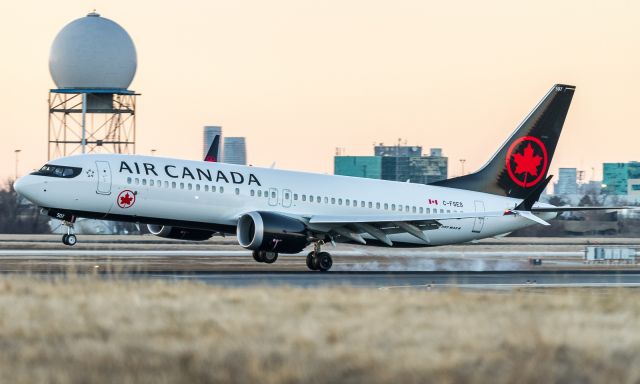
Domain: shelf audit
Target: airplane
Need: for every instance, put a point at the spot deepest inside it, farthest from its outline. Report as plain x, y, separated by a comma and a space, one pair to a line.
273, 211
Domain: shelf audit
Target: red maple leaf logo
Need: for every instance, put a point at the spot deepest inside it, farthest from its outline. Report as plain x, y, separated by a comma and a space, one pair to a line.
530, 165
527, 161
126, 199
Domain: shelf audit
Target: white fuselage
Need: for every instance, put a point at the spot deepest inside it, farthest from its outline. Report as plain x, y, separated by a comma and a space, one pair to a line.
214, 195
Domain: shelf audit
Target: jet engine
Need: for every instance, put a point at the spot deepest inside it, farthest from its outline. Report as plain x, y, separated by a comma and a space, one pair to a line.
271, 232
179, 233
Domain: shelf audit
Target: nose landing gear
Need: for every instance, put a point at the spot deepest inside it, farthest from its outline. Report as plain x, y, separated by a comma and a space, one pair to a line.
318, 260
69, 238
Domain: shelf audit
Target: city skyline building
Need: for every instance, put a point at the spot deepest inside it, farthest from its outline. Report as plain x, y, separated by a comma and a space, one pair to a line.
397, 150
208, 134
235, 150
567, 182
358, 166
620, 178
395, 163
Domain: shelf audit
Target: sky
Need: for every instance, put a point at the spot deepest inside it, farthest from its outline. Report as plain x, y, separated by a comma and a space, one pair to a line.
299, 78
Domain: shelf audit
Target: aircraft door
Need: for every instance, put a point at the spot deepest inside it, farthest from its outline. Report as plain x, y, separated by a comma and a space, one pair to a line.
273, 196
478, 224
104, 178
286, 198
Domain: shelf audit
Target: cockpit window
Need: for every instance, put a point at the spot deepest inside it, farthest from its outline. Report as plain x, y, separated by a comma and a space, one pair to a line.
58, 171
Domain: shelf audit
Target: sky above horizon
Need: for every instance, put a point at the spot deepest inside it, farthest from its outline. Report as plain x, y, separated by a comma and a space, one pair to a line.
300, 78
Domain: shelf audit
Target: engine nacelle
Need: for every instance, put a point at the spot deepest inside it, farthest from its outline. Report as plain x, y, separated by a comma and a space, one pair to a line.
179, 233
267, 231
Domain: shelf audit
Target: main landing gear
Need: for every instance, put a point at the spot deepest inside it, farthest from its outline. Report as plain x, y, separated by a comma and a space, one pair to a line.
69, 238
265, 257
318, 260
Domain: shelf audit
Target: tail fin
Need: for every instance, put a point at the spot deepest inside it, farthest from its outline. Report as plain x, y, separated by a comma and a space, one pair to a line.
212, 154
523, 160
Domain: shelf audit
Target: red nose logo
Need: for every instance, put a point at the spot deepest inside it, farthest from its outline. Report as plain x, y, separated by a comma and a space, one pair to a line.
126, 199
527, 161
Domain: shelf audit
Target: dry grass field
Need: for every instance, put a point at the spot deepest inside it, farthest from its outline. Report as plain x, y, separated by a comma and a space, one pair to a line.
88, 330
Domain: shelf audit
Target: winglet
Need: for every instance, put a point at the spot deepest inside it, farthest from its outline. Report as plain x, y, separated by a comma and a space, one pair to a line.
533, 196
212, 154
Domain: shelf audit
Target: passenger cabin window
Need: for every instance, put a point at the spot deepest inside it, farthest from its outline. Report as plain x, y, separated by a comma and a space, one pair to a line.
304, 197
311, 198
173, 184
144, 181
129, 180
221, 189
237, 191
252, 192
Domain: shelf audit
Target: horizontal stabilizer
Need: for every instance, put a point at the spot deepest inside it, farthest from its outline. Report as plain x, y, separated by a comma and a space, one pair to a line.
529, 215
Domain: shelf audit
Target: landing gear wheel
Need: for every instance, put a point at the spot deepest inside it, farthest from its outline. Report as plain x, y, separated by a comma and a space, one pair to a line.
258, 256
270, 257
71, 240
311, 261
64, 239
324, 261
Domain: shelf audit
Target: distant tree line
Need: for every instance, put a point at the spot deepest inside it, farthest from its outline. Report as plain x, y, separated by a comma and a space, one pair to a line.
17, 215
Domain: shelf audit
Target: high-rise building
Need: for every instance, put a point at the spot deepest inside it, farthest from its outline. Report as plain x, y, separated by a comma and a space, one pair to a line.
235, 150
395, 168
209, 132
397, 150
429, 169
358, 166
567, 182
395, 163
617, 177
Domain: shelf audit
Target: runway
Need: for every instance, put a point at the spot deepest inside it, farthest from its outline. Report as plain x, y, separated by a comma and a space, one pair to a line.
490, 264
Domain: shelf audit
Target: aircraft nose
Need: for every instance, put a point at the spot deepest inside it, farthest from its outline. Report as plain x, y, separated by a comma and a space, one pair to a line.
18, 185
26, 186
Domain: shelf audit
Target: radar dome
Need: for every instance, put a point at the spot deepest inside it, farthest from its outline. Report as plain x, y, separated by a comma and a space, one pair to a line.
93, 52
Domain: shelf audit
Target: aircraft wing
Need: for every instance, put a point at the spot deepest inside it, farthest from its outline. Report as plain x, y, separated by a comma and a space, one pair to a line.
576, 209
353, 227
336, 219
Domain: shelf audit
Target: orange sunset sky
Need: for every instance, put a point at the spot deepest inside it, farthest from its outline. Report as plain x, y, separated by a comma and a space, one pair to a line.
299, 78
